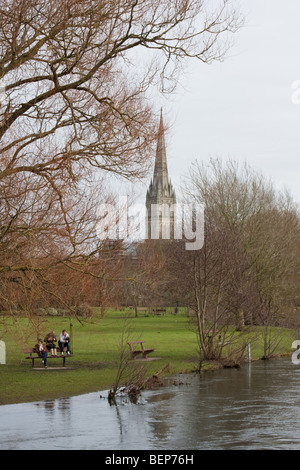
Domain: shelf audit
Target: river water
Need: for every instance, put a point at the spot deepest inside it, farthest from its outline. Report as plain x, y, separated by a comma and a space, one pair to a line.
255, 407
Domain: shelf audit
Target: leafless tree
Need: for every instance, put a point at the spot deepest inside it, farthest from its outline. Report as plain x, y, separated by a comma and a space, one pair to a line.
242, 274
75, 97
75, 110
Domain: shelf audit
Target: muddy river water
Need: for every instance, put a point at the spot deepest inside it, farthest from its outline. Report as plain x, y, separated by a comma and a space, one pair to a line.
254, 407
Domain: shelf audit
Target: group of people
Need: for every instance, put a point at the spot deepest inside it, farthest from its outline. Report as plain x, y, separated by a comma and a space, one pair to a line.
49, 346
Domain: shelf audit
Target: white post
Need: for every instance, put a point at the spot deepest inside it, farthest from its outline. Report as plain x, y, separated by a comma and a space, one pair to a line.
2, 353
248, 352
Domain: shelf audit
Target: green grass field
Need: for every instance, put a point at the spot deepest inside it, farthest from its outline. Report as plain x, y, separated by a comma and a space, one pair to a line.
96, 348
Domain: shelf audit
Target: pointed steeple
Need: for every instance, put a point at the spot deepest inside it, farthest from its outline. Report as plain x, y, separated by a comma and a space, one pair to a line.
160, 175
161, 191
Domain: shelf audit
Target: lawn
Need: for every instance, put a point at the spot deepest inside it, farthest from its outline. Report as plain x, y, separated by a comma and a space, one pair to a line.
96, 349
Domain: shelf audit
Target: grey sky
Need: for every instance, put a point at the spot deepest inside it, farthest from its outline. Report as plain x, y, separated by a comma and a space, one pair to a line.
242, 108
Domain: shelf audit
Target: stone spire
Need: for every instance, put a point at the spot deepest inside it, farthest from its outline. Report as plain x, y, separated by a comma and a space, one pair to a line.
160, 194
160, 168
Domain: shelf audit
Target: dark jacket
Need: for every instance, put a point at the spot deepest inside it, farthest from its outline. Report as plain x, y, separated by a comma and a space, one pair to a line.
50, 338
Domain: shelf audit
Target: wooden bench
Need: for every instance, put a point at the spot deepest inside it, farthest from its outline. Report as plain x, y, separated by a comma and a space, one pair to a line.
136, 352
159, 311
34, 356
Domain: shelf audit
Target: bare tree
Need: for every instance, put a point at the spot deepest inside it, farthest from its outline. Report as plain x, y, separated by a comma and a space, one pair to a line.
76, 76
74, 98
242, 274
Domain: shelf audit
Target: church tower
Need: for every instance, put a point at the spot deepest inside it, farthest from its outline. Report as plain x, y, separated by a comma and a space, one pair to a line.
160, 198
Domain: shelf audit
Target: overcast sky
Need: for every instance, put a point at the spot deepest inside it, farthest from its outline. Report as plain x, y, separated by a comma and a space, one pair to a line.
242, 108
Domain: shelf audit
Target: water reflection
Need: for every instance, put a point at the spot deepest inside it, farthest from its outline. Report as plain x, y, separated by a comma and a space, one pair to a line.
57, 413
255, 407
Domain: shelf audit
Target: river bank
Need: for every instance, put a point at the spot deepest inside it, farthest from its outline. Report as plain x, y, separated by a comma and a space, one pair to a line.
96, 347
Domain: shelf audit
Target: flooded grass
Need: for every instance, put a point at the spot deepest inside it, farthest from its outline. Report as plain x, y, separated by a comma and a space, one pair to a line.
96, 352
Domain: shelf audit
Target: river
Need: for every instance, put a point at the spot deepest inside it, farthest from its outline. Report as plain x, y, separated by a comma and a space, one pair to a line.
254, 407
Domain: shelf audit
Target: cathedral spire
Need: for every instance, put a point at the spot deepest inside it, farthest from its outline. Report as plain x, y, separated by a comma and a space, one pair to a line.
160, 193
160, 169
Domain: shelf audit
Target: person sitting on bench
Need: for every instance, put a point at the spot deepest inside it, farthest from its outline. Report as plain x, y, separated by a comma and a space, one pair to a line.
42, 351
64, 341
50, 340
